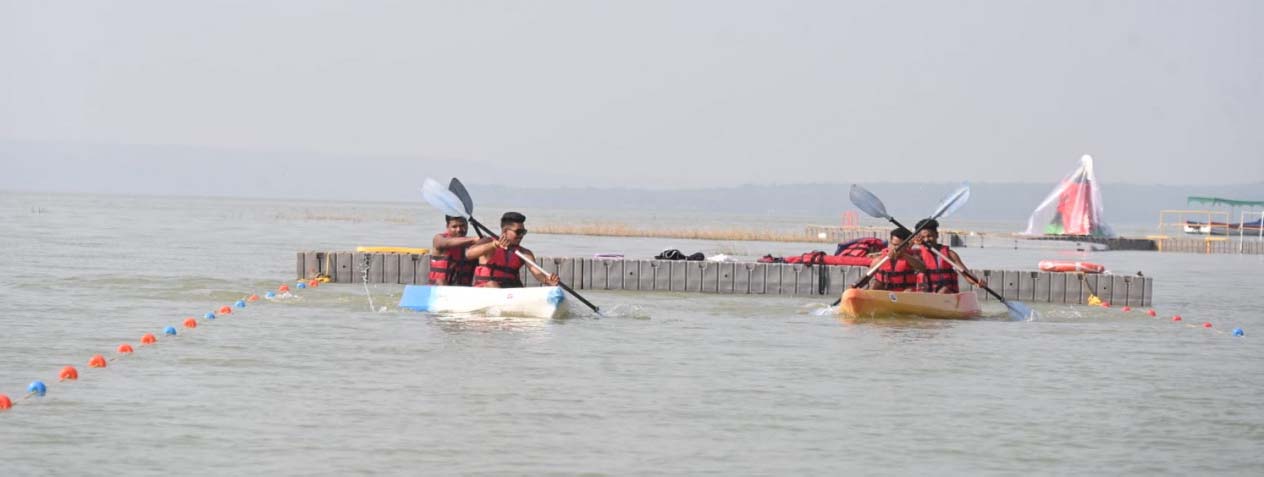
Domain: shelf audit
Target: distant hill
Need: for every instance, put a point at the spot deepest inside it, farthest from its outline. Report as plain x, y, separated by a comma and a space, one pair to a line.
222, 172
1011, 202
190, 171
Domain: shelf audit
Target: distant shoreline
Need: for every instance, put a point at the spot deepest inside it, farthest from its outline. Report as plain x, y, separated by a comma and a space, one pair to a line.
624, 230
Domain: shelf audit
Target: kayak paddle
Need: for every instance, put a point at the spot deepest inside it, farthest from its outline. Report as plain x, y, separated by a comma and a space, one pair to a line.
871, 205
1017, 310
459, 189
451, 204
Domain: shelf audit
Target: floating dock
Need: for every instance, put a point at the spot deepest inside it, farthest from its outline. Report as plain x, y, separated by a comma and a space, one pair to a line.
1248, 245
732, 278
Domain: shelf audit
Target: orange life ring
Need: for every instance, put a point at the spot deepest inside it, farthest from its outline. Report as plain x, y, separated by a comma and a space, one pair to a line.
1066, 266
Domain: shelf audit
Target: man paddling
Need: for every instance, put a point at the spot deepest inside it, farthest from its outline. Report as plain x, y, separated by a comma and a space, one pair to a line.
939, 275
448, 263
898, 273
498, 265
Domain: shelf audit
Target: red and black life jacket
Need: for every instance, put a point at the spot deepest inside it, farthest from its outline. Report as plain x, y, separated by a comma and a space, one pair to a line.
815, 257
896, 274
939, 273
860, 247
501, 268
451, 267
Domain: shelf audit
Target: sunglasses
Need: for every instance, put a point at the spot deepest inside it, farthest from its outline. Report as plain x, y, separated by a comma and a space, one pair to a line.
518, 232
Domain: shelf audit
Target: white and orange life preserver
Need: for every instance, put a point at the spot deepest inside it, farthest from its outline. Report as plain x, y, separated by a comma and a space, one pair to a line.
1068, 266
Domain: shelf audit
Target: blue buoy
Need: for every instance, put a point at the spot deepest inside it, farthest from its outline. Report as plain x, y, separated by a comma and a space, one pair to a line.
240, 304
270, 294
37, 388
209, 316
301, 285
1238, 332
170, 330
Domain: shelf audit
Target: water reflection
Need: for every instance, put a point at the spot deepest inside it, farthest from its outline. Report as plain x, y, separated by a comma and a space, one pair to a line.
485, 322
914, 328
900, 322
482, 323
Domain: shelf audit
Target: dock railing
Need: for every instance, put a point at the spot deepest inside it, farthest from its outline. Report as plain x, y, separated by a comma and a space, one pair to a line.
1242, 229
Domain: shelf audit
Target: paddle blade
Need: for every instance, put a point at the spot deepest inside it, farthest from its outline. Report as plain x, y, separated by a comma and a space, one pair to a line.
953, 202
869, 203
1018, 311
459, 189
442, 199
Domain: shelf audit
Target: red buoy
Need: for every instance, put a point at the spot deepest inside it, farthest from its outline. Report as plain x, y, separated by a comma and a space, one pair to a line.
1206, 324
314, 283
1176, 318
225, 310
1126, 308
5, 403
97, 361
148, 339
253, 298
125, 349
190, 323
1105, 304
283, 288
1152, 312
68, 372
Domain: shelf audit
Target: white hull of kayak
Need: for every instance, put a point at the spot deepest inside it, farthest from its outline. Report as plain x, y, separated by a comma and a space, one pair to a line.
529, 302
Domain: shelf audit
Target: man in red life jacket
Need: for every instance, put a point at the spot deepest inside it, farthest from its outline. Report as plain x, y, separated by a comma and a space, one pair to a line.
900, 273
448, 263
498, 265
939, 276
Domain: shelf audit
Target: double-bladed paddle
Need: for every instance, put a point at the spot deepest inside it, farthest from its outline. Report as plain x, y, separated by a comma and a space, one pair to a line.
459, 189
1017, 309
873, 206
870, 204
456, 202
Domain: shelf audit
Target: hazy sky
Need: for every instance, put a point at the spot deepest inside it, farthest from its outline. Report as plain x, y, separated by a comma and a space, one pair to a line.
647, 93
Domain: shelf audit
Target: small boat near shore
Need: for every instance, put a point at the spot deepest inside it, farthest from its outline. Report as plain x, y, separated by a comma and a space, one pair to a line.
1207, 228
527, 302
1222, 228
857, 303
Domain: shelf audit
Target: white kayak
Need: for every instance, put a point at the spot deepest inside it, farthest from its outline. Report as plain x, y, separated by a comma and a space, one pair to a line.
531, 302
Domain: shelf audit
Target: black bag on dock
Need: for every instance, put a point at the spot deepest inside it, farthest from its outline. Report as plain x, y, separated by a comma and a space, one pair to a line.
674, 254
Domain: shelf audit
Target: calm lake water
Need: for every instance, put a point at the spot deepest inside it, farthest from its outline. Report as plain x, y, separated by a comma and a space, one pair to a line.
674, 384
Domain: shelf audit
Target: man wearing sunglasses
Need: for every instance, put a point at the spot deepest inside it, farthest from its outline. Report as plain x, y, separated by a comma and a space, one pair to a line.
498, 265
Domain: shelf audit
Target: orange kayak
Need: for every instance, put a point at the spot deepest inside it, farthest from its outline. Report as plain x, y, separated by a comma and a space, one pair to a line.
866, 303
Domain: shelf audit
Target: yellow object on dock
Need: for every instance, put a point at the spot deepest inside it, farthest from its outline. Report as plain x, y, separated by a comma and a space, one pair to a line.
858, 303
416, 250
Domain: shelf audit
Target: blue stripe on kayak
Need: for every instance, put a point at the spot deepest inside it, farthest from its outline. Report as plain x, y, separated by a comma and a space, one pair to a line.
416, 297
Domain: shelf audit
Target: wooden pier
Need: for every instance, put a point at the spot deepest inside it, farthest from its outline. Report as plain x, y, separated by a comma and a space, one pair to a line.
734, 278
